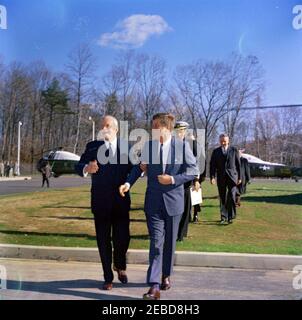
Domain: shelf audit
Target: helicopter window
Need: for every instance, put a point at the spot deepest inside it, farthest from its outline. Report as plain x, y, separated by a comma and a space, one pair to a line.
51, 155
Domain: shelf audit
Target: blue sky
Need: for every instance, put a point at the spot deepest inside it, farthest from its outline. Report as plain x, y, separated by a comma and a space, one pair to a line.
178, 30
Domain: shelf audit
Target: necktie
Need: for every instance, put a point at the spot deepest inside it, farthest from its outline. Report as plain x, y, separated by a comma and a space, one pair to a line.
161, 157
109, 152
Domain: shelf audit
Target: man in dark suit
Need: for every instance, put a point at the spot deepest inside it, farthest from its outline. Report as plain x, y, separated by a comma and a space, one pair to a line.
245, 177
109, 166
181, 128
168, 168
225, 164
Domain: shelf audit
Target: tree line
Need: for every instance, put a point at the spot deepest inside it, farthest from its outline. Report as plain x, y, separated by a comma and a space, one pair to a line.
55, 107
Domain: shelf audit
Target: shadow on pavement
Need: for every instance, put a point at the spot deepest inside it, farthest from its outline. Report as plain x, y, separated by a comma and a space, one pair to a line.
67, 287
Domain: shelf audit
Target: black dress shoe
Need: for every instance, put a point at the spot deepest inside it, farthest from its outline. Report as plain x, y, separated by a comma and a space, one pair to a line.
165, 284
107, 286
152, 294
195, 219
122, 276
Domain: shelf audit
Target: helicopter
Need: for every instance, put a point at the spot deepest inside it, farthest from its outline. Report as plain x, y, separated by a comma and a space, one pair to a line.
265, 169
61, 162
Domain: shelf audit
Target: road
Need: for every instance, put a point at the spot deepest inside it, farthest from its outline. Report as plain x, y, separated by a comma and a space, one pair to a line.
49, 280
12, 187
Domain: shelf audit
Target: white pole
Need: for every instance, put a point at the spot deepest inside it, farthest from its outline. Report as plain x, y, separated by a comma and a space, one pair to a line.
93, 128
19, 147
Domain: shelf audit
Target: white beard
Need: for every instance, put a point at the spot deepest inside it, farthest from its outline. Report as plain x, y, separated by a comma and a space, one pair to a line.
100, 136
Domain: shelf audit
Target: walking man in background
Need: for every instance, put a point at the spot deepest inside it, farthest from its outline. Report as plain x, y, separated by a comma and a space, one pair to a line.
46, 173
225, 165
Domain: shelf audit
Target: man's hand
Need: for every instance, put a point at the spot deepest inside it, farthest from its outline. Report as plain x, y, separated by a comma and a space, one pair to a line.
239, 182
196, 185
143, 167
165, 179
213, 181
92, 167
123, 189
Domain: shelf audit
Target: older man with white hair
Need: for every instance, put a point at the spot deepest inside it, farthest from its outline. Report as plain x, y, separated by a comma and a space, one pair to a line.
109, 166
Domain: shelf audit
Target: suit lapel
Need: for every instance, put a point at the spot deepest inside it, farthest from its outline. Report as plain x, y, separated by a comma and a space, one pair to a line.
228, 154
118, 150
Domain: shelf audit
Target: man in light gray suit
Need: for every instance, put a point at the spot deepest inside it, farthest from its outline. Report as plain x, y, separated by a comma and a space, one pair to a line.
169, 164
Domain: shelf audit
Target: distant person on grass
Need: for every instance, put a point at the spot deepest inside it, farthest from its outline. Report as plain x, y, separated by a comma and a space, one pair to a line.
1, 169
7, 169
46, 173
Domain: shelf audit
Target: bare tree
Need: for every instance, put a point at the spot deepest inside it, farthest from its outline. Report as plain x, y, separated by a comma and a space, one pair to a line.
81, 68
214, 93
127, 78
202, 89
14, 102
151, 75
40, 78
278, 136
244, 85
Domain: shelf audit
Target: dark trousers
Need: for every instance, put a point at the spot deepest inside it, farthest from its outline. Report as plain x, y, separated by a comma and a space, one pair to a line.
184, 222
112, 229
227, 192
45, 179
242, 188
196, 210
163, 233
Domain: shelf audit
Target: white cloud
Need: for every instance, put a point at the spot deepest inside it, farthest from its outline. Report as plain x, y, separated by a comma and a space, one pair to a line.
134, 31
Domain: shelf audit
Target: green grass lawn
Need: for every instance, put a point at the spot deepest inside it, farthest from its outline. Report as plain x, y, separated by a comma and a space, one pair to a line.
269, 221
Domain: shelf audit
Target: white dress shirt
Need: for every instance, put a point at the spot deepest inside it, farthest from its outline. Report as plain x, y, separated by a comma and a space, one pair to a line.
166, 150
166, 160
113, 144
225, 150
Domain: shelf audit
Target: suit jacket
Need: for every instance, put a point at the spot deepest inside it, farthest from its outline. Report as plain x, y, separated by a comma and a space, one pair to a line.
225, 165
182, 167
106, 182
188, 184
245, 171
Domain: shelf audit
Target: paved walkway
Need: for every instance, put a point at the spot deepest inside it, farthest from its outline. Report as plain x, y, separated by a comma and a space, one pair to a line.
48, 280
13, 186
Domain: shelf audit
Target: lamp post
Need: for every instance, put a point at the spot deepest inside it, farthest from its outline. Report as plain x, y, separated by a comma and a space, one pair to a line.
19, 147
93, 128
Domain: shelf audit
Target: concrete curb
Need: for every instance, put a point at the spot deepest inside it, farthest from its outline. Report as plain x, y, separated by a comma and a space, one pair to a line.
191, 259
14, 179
